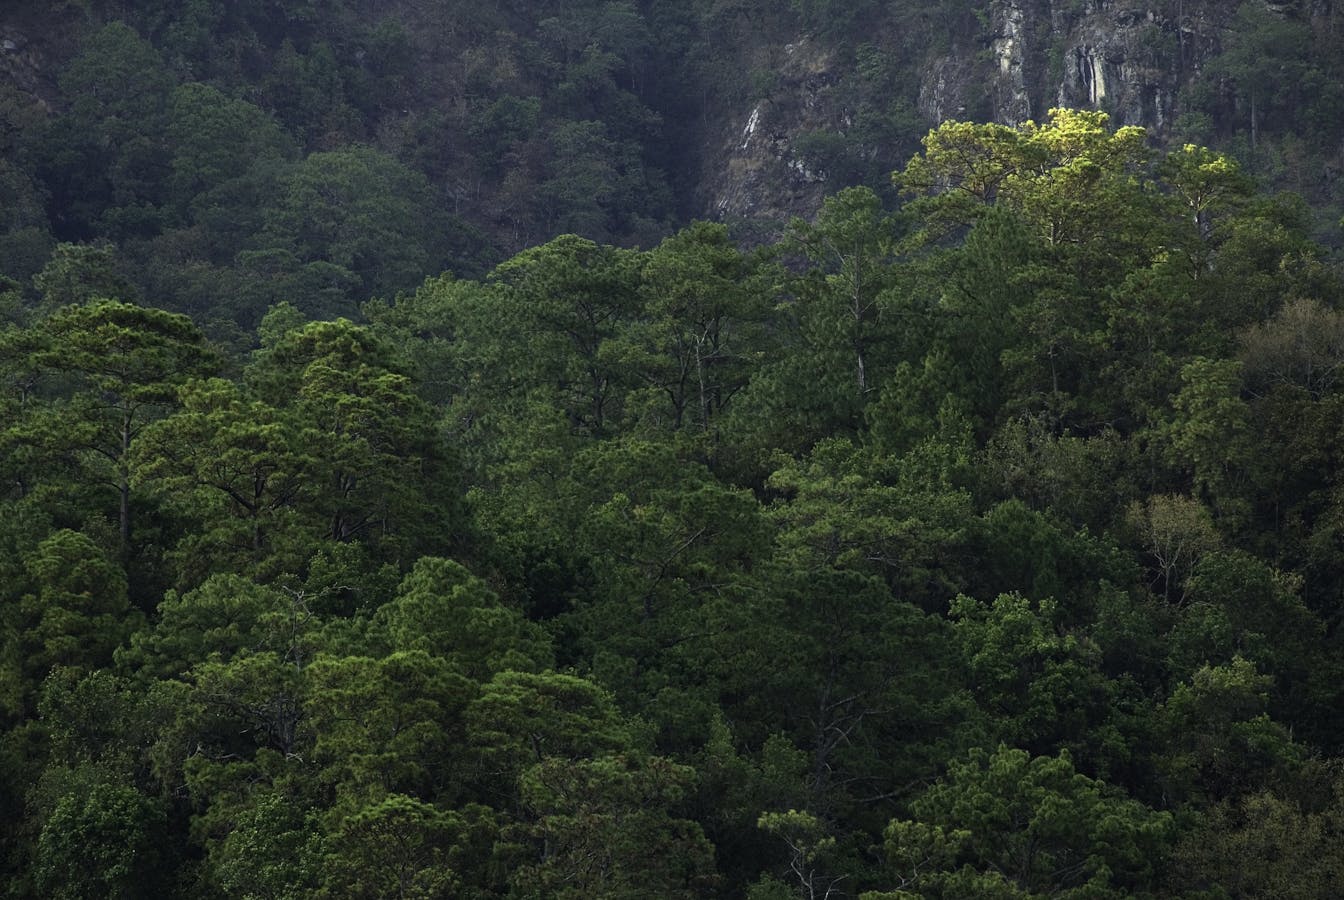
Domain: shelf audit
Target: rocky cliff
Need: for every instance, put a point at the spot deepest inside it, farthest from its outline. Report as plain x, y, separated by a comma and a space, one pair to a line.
759, 177
1134, 60
621, 120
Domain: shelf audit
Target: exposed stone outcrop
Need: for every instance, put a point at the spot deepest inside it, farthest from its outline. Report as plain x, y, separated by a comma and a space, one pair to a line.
23, 66
1127, 57
1131, 58
758, 175
1010, 45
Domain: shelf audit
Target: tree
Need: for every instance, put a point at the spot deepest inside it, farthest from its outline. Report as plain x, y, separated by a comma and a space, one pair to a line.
842, 310
569, 297
443, 609
273, 849
105, 159
114, 368
607, 828
104, 843
848, 508
701, 332
1070, 179
1220, 741
382, 472
397, 847
1301, 346
1206, 183
77, 274
803, 834
1008, 824
1041, 689
361, 213
662, 542
1264, 845
221, 148
78, 612
1175, 531
1265, 60
385, 726
1088, 211
520, 719
239, 470
224, 616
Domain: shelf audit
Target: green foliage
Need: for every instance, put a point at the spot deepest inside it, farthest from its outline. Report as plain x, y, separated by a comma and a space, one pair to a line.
1224, 740
1264, 845
363, 214
607, 829
1044, 688
78, 611
443, 609
1024, 826
398, 847
105, 154
691, 571
103, 843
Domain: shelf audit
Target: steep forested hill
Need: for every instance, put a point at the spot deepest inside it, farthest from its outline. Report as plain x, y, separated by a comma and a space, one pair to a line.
195, 131
403, 496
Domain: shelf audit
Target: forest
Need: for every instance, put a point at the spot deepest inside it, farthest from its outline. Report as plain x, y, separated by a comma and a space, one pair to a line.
981, 536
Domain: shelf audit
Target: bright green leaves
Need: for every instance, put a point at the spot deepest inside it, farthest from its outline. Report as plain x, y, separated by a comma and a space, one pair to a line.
334, 445
112, 368
1008, 824
608, 829
104, 843
1066, 178
78, 612
398, 847
1206, 183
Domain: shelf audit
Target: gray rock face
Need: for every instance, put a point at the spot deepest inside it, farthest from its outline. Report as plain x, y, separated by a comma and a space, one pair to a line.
1134, 61
1010, 45
1128, 58
26, 67
757, 176
1131, 58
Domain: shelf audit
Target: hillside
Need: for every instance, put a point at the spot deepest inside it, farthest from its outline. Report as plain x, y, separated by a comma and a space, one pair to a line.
615, 121
406, 491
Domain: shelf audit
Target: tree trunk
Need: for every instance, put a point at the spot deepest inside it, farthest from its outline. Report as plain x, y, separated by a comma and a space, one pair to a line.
124, 477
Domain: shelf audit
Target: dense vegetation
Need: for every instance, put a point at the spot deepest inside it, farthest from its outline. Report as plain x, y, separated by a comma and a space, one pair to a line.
988, 547
979, 538
323, 151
